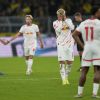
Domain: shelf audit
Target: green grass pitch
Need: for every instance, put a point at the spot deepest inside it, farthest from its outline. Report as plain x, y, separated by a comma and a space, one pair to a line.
43, 84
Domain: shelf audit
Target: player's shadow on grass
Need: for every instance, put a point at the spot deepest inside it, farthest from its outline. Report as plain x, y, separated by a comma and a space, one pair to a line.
1, 73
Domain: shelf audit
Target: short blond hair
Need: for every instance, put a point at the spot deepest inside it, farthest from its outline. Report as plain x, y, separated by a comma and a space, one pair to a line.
30, 16
60, 11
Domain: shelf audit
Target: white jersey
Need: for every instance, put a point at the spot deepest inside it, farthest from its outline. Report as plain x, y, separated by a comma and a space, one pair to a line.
63, 32
90, 30
29, 34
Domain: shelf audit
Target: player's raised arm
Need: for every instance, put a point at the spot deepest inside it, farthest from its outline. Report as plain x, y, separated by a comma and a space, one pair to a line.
40, 39
76, 37
69, 23
57, 28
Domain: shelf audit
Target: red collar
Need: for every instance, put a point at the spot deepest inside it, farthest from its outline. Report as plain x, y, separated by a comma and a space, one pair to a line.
92, 18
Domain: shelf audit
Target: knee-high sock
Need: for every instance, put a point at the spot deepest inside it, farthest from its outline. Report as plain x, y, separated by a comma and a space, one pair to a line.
95, 88
63, 71
80, 90
68, 69
29, 66
26, 62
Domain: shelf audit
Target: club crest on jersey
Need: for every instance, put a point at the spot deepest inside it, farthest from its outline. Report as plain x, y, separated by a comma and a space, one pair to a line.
29, 33
64, 27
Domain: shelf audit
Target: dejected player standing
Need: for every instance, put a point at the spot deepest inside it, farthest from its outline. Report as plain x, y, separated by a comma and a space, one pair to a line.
78, 19
65, 42
90, 30
30, 32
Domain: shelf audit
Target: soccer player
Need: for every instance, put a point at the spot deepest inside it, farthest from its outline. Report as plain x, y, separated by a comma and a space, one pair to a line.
30, 32
78, 20
65, 42
90, 30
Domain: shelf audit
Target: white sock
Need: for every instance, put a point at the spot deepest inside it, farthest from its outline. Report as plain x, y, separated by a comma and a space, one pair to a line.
26, 62
30, 62
68, 69
63, 71
95, 88
80, 90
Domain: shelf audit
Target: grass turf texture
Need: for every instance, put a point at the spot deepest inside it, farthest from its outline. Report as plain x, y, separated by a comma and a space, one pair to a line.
43, 84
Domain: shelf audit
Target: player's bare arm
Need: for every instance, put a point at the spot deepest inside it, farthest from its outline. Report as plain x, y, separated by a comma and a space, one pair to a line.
75, 36
40, 39
14, 37
3, 42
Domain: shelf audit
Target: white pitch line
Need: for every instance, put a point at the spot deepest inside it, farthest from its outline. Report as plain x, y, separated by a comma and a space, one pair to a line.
28, 79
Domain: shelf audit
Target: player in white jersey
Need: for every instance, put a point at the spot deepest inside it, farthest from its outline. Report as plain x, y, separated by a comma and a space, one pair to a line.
90, 30
65, 42
30, 32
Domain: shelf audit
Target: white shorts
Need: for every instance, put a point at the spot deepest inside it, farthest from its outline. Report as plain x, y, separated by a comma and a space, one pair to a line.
91, 55
29, 51
65, 53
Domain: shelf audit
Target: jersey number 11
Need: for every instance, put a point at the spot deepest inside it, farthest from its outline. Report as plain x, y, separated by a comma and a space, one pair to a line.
91, 32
